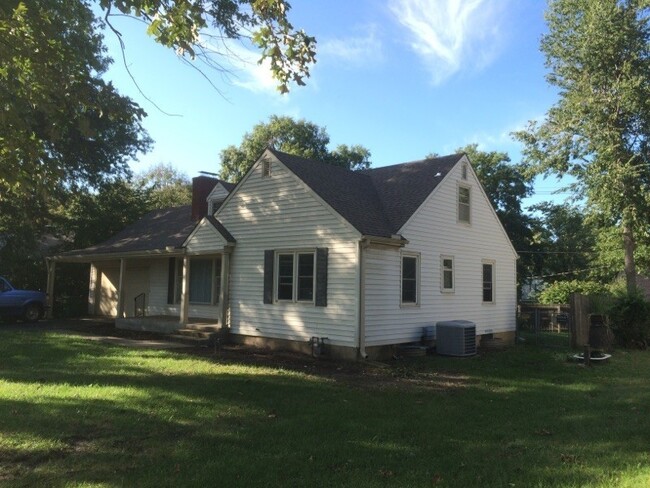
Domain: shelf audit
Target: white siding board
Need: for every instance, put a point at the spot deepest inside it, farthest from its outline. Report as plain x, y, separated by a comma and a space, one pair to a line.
205, 239
434, 231
281, 213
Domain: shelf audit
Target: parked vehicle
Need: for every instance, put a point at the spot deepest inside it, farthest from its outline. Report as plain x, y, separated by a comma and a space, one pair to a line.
25, 304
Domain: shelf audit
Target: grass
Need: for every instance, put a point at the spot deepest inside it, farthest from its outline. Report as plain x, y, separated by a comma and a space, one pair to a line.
79, 413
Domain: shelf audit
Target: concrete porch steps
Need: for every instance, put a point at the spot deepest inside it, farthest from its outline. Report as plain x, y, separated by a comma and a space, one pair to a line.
197, 334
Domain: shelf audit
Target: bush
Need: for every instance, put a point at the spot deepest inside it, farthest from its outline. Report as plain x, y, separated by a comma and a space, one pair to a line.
560, 291
630, 320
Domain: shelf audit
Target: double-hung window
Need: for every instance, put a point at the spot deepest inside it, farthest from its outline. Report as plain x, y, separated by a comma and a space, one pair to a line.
464, 204
447, 274
488, 281
295, 276
410, 279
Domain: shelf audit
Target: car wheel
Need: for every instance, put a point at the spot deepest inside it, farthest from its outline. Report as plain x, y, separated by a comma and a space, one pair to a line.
32, 313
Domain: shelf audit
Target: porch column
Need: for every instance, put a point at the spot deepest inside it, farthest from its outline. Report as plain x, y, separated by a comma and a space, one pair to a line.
185, 291
51, 269
120, 289
224, 296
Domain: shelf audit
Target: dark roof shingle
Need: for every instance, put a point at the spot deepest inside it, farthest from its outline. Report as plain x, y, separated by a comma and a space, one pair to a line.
377, 202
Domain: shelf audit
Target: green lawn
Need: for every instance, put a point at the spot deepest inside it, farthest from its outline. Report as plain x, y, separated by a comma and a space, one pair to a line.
79, 413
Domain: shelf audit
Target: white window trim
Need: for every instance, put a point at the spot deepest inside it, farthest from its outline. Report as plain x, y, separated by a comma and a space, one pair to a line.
418, 281
444, 257
276, 276
267, 168
493, 263
469, 213
463, 172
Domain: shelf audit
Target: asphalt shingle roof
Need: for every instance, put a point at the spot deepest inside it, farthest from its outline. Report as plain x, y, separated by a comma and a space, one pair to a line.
377, 202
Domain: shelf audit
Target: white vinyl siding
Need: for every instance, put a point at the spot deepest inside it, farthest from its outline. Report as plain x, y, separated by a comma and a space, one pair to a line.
433, 231
205, 239
280, 213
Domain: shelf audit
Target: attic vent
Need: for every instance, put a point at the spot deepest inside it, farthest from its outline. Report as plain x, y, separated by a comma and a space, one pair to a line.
456, 338
266, 168
463, 171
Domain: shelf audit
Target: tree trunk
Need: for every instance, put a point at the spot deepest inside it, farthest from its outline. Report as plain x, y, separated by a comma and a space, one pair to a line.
628, 247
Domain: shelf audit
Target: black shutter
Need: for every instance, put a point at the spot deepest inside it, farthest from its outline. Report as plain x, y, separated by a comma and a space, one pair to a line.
321, 277
171, 280
268, 276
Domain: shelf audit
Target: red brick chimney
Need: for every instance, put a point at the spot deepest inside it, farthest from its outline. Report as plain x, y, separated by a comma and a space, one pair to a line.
201, 188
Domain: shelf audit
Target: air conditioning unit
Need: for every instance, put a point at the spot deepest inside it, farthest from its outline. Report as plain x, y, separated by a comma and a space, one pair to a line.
456, 338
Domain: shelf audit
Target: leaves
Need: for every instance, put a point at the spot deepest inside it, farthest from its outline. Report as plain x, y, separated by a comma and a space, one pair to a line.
298, 137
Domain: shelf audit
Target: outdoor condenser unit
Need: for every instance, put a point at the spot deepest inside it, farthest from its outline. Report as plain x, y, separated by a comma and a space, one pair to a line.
456, 338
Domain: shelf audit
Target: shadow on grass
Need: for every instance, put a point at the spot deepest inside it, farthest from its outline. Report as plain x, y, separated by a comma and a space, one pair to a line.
71, 410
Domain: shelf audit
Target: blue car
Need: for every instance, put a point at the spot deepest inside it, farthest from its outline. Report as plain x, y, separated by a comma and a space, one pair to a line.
25, 304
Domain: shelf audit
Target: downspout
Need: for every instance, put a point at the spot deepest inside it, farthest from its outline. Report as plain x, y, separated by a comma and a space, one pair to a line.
363, 244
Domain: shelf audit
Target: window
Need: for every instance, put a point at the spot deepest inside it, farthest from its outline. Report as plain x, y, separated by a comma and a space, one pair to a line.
205, 280
463, 171
266, 168
488, 282
447, 273
410, 280
295, 276
464, 204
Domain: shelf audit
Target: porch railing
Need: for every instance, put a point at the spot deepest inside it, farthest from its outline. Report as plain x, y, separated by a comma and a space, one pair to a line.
139, 305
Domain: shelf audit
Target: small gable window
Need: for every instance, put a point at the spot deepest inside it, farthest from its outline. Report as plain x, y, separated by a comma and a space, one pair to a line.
410, 279
266, 168
464, 204
463, 171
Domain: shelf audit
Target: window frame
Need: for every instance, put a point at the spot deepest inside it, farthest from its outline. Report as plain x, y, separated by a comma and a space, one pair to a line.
443, 270
295, 277
416, 256
267, 169
459, 203
492, 264
215, 286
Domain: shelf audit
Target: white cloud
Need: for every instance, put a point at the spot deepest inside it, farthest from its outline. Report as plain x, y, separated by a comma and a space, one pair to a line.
359, 50
452, 35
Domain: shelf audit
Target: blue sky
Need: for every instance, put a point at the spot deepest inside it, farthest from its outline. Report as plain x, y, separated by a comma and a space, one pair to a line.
403, 78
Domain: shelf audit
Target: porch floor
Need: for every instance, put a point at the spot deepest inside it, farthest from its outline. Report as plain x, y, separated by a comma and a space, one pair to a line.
160, 323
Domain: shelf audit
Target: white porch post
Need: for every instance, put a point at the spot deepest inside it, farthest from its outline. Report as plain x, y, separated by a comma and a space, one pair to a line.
185, 291
51, 269
120, 289
224, 297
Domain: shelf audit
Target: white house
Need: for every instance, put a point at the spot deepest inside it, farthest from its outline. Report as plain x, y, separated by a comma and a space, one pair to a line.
300, 249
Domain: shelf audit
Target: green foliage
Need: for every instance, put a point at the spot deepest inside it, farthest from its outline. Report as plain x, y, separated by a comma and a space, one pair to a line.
598, 56
167, 186
185, 27
561, 291
630, 320
286, 134
567, 239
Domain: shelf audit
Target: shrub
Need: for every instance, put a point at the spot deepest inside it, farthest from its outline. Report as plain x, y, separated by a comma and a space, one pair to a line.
630, 320
560, 291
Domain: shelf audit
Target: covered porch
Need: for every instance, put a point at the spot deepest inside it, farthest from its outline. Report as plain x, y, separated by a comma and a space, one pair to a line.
160, 291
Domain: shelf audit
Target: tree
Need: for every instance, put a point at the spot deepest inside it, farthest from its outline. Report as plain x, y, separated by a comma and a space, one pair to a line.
598, 56
167, 187
298, 137
567, 240
188, 28
62, 124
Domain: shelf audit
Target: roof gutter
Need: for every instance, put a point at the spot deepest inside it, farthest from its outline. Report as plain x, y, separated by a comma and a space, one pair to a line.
83, 258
